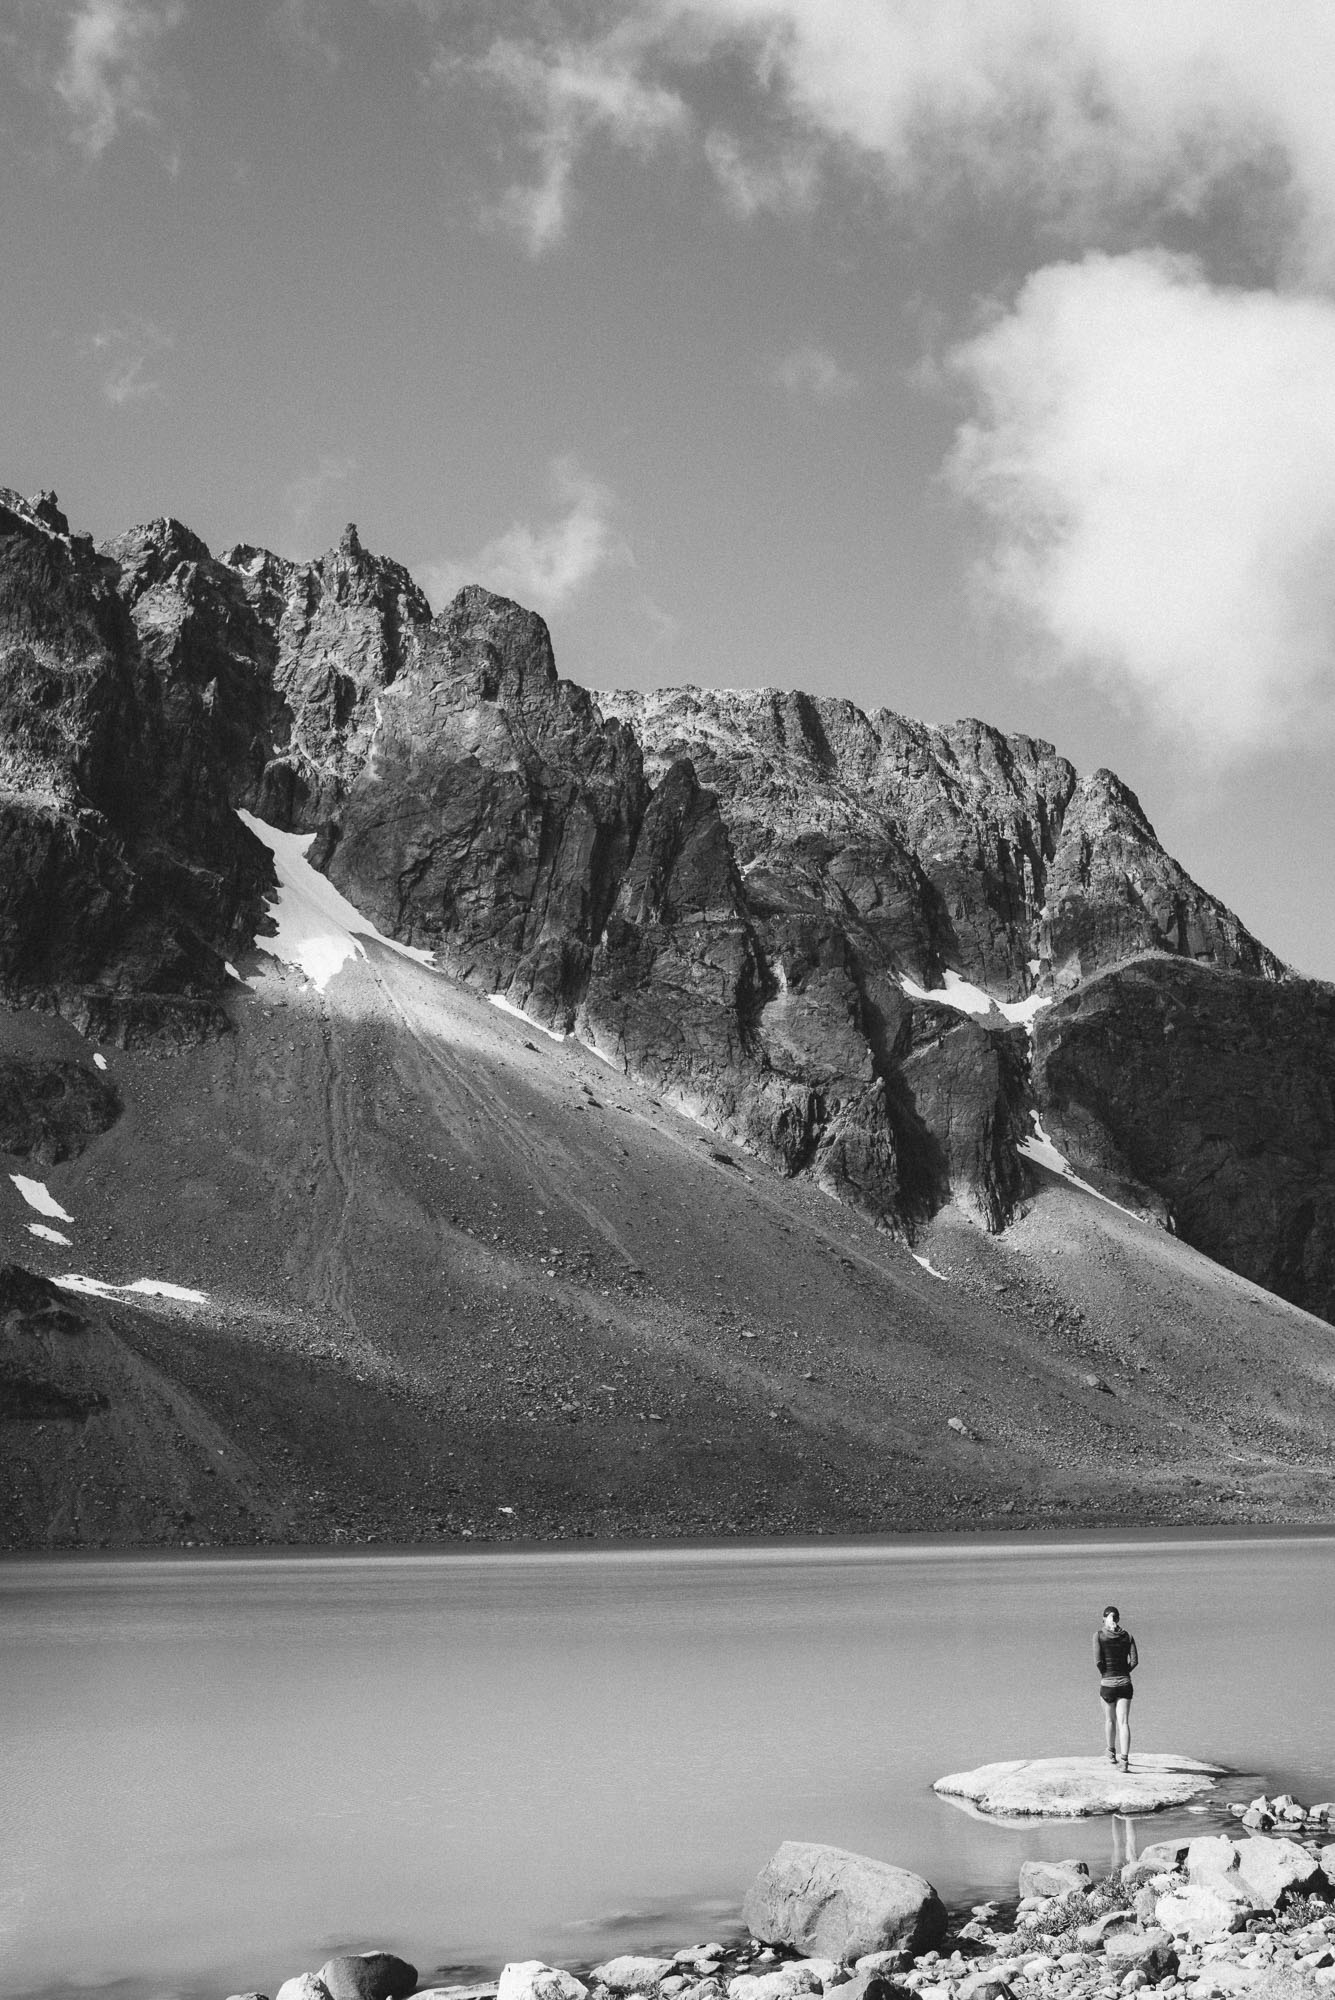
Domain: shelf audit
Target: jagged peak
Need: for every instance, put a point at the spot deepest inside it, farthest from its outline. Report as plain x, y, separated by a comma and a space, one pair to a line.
41, 510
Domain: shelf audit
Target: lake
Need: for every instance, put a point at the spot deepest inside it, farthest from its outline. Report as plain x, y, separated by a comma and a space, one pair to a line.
217, 1770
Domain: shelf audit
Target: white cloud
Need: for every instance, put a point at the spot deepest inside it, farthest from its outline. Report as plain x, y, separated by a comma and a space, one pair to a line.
307, 493
1077, 103
569, 94
1155, 458
108, 74
813, 372
547, 566
785, 181
306, 26
126, 351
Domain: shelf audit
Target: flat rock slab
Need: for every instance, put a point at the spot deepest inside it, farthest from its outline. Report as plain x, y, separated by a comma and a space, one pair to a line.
1079, 1787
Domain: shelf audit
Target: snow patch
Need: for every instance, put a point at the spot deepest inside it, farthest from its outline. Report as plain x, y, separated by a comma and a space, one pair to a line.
1041, 1150
967, 998
318, 930
38, 1196
155, 1288
1024, 1011
99, 1062
958, 993
47, 1234
929, 1267
508, 1007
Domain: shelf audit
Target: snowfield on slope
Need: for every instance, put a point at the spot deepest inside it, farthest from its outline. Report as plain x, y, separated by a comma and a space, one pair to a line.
966, 998
318, 930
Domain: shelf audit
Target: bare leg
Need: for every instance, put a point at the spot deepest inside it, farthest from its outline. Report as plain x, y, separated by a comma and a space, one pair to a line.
1124, 1733
1109, 1724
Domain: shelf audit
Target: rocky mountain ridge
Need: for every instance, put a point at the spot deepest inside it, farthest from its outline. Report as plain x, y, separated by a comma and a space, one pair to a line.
869, 951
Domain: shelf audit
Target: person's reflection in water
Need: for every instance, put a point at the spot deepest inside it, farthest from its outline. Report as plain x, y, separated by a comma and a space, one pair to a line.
1123, 1841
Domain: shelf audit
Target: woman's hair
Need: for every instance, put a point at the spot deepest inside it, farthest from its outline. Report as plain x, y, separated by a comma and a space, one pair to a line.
1111, 1611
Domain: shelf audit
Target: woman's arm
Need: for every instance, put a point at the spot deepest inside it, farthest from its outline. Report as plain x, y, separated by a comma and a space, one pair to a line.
1134, 1659
1098, 1656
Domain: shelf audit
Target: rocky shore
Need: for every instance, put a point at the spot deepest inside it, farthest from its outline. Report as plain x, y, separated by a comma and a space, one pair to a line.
1201, 1919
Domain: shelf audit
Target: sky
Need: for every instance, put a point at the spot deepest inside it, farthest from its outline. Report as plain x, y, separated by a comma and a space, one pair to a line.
961, 357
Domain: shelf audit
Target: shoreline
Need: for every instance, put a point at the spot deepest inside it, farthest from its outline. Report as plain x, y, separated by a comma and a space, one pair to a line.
814, 1541
1226, 1914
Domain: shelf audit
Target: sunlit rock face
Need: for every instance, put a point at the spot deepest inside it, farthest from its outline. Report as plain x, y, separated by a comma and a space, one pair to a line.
866, 949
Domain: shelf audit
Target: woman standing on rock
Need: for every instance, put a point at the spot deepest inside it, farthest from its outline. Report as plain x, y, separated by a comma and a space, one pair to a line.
1115, 1655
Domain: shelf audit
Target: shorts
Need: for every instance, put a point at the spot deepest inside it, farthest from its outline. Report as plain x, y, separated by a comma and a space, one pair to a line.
1115, 1693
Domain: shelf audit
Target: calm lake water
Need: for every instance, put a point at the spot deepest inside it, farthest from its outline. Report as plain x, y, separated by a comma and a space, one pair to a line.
214, 1772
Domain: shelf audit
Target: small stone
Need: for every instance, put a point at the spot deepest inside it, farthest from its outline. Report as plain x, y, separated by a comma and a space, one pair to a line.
784, 1984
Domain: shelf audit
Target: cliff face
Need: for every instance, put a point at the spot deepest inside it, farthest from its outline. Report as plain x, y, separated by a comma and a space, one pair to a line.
827, 934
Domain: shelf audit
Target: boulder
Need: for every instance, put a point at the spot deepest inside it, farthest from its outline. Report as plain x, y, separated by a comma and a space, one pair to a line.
1091, 1937
368, 1975
1209, 1855
305, 1986
531, 1979
1079, 1787
1053, 1878
1150, 1952
1268, 1870
825, 1900
1274, 1869
630, 1974
1203, 1910
1326, 1856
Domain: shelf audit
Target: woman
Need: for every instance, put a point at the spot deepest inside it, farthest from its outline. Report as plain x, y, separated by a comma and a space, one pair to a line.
1115, 1655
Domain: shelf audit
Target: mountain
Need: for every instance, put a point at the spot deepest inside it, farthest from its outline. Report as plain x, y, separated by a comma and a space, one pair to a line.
271, 836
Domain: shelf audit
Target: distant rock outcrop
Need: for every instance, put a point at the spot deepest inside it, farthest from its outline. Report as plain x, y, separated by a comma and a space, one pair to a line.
866, 949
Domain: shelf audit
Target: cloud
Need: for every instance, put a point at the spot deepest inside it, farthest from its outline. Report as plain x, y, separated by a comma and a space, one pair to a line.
813, 372
306, 27
786, 181
307, 493
108, 73
547, 566
126, 350
1076, 104
1154, 458
568, 95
